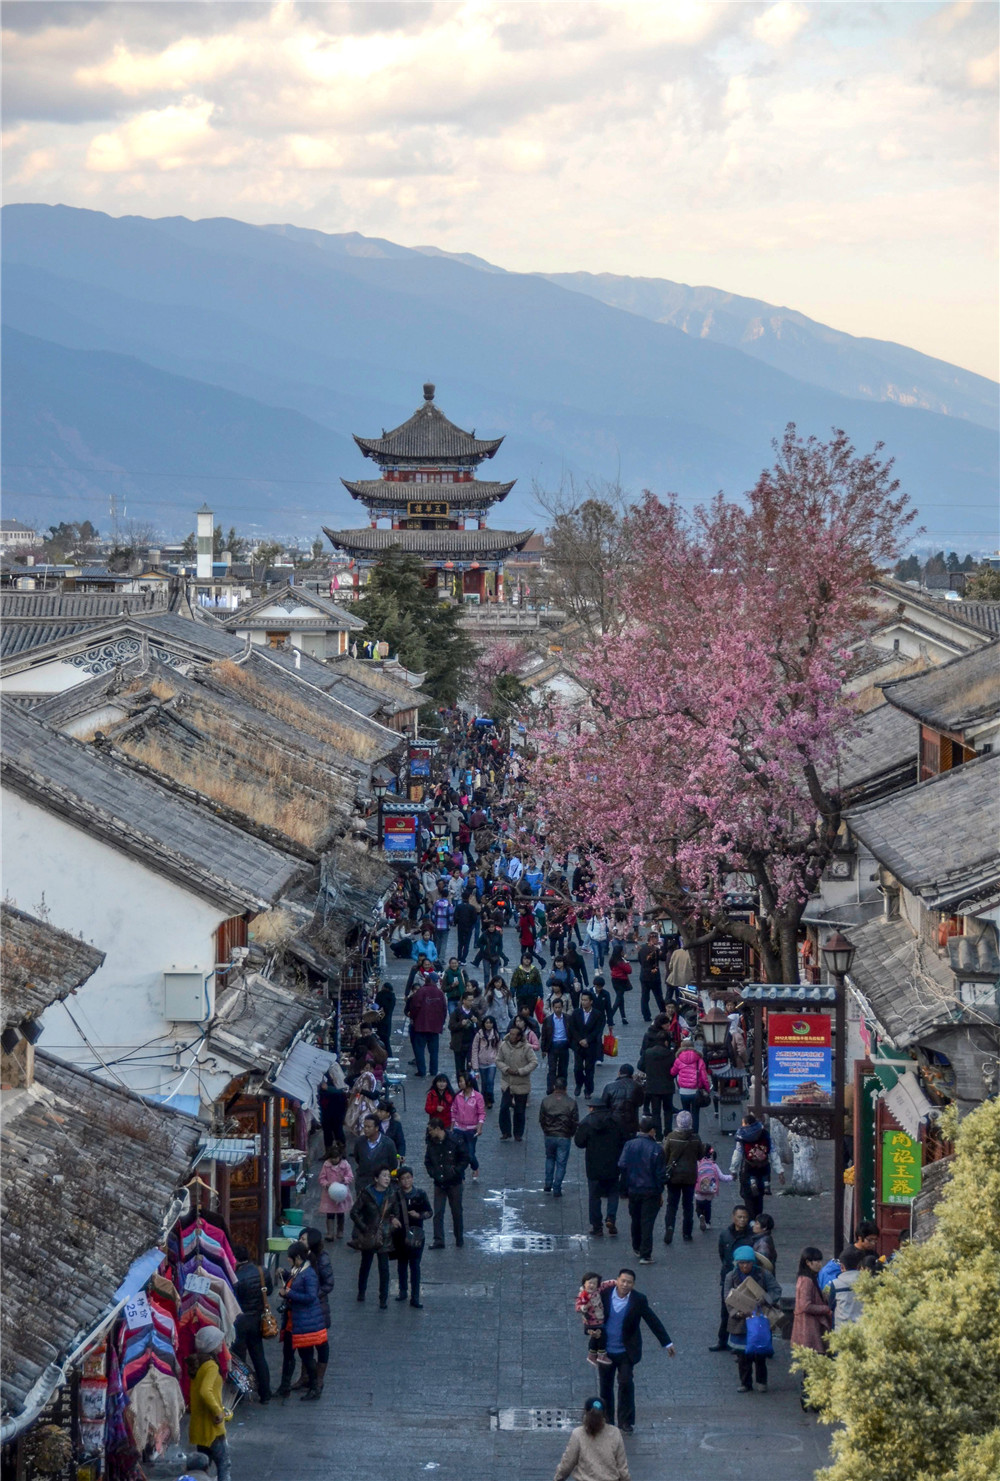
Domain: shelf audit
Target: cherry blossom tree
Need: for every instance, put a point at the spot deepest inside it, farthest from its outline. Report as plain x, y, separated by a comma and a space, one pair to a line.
718, 704
495, 686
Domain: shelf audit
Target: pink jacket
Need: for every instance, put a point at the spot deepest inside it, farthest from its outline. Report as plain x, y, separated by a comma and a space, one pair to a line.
336, 1172
466, 1115
689, 1071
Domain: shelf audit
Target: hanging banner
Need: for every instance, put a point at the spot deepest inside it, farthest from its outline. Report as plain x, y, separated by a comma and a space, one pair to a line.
901, 1160
799, 1059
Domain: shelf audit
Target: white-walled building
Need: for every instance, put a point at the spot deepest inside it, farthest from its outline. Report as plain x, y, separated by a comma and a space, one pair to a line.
292, 617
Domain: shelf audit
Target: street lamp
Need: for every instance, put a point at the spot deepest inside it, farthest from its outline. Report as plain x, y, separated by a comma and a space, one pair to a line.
714, 1027
379, 789
838, 958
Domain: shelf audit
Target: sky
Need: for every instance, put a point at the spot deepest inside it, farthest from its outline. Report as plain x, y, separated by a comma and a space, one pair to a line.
839, 159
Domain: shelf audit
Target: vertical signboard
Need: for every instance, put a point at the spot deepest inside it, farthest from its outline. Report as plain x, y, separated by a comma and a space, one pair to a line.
399, 832
799, 1059
901, 1159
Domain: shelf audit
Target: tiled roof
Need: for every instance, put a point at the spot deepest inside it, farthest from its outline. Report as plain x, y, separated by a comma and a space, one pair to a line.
22, 637
984, 615
956, 695
293, 596
256, 1020
909, 989
39, 965
283, 677
428, 436
880, 754
969, 615
77, 606
940, 839
387, 493
89, 1176
446, 543
174, 837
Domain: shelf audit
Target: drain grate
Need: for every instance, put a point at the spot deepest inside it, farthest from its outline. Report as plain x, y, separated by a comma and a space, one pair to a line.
534, 1419
475, 1292
521, 1244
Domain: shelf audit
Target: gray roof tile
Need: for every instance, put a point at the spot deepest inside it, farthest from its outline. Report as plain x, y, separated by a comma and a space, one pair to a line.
428, 435
940, 839
383, 493
89, 1174
491, 544
909, 989
174, 837
955, 696
39, 965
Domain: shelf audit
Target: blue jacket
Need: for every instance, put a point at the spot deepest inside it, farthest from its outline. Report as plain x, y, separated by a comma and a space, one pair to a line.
643, 1166
303, 1301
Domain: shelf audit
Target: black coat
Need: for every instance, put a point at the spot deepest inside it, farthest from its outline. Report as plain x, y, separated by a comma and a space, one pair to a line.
639, 1311
463, 1028
369, 1161
248, 1292
730, 1240
623, 1097
655, 1062
446, 1160
593, 1031
602, 1140
418, 1208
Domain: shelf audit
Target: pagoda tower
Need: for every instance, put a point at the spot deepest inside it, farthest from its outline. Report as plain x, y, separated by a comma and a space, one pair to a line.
436, 506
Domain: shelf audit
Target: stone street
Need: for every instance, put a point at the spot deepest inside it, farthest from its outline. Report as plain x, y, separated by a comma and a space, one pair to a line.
475, 1384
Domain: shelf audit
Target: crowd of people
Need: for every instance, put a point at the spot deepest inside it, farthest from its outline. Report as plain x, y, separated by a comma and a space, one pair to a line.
487, 1027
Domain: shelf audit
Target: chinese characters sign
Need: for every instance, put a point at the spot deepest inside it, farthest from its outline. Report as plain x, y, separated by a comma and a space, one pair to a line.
420, 760
399, 832
900, 1167
799, 1059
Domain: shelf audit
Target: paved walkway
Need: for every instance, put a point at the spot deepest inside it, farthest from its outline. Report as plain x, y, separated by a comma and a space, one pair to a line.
411, 1392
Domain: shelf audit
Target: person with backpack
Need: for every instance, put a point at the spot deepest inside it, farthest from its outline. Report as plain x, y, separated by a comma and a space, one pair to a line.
707, 1185
753, 1160
683, 1150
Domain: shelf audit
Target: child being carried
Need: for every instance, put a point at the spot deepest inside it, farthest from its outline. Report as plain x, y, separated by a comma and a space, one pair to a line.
591, 1308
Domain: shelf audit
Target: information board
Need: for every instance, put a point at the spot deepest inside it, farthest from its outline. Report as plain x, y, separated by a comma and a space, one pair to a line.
420, 760
728, 957
399, 832
799, 1059
900, 1167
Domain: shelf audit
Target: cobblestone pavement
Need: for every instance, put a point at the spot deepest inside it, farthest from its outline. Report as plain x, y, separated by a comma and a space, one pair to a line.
412, 1393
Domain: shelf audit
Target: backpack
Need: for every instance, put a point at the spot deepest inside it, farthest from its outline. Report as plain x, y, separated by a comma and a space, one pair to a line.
755, 1154
707, 1185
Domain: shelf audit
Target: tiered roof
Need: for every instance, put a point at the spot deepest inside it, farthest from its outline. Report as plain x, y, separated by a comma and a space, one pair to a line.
432, 544
428, 437
386, 493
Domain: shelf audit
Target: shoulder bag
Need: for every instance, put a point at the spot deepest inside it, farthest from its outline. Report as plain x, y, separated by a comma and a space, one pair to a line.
268, 1324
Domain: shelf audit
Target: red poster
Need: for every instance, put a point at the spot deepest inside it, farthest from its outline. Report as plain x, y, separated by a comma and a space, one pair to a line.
799, 1030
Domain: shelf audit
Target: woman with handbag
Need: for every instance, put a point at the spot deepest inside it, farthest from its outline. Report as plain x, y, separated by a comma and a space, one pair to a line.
746, 1335
693, 1085
303, 1322
375, 1219
413, 1207
256, 1322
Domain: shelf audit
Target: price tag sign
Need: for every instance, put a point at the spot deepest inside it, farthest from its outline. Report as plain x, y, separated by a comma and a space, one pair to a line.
137, 1313
200, 1284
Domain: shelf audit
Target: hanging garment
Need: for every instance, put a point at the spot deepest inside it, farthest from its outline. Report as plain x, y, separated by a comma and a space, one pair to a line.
155, 1411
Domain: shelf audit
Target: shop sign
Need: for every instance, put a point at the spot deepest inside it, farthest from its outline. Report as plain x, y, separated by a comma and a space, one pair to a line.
424, 507
399, 833
728, 957
900, 1167
137, 1313
799, 1059
420, 760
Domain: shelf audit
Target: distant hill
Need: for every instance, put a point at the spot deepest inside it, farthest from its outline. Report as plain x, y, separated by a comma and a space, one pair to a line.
867, 369
249, 355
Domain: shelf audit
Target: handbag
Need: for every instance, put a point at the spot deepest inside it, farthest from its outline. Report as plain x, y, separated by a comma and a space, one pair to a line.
703, 1098
268, 1322
610, 1046
759, 1341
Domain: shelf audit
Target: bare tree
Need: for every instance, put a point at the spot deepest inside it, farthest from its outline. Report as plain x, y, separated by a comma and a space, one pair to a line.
585, 544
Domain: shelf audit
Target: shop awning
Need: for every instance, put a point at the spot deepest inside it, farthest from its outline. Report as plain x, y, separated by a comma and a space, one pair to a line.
232, 1150
301, 1072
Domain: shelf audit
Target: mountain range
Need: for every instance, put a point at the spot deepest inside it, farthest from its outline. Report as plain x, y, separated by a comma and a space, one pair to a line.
172, 361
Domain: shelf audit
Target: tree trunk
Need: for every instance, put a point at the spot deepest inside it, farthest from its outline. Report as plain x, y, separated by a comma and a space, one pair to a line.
805, 1164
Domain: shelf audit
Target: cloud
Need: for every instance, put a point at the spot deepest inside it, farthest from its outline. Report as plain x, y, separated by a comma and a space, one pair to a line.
607, 136
780, 24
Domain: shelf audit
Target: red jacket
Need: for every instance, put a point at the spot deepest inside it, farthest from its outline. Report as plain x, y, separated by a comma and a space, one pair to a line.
440, 1106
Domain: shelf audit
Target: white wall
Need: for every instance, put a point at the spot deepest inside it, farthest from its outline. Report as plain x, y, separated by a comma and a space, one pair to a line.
144, 924
45, 678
